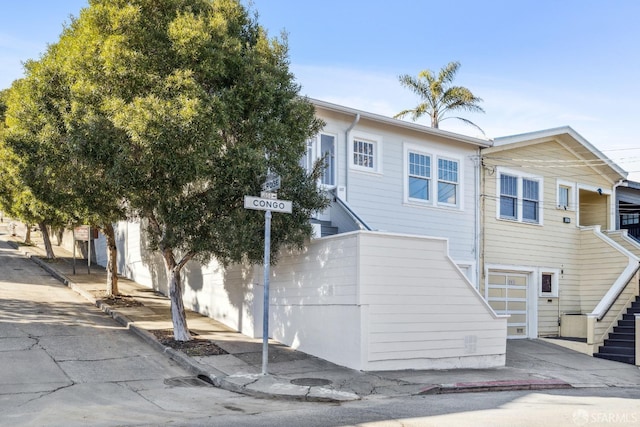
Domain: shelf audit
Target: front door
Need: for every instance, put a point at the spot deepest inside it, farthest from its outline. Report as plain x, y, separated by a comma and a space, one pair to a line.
323, 146
507, 294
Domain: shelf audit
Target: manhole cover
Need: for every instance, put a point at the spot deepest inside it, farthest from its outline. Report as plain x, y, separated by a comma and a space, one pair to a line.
310, 382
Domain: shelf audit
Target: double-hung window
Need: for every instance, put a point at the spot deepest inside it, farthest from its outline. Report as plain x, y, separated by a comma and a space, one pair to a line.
519, 197
419, 176
508, 196
530, 201
447, 181
432, 179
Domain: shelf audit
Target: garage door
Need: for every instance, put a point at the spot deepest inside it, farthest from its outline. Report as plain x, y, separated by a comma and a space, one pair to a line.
507, 294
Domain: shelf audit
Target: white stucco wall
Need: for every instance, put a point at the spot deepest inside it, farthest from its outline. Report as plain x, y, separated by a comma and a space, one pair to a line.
365, 300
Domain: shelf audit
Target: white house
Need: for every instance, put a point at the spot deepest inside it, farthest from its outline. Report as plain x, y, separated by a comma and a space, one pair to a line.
390, 281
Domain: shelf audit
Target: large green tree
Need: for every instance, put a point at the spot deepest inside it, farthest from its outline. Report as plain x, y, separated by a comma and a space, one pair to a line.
16, 197
439, 96
50, 159
190, 103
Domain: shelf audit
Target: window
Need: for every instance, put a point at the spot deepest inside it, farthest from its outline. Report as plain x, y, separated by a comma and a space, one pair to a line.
630, 219
364, 154
419, 176
432, 179
508, 196
519, 197
548, 283
447, 181
565, 191
530, 200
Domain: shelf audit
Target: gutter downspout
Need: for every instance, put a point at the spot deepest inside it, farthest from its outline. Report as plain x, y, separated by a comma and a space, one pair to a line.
477, 214
346, 155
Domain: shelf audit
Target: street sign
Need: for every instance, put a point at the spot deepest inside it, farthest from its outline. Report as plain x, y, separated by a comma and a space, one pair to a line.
268, 204
268, 195
263, 204
272, 183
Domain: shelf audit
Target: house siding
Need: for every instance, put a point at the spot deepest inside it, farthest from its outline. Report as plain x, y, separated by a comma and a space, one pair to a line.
554, 244
378, 197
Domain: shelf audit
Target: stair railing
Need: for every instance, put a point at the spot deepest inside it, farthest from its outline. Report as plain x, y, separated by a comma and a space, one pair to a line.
354, 216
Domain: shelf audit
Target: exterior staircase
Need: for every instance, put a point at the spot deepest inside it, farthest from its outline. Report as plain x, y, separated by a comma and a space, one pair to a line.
621, 343
326, 228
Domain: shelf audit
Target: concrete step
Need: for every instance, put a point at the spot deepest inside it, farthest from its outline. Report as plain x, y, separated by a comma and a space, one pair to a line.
616, 357
622, 335
625, 351
629, 342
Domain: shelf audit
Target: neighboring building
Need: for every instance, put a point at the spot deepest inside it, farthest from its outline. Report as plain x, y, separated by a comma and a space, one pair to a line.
550, 259
628, 207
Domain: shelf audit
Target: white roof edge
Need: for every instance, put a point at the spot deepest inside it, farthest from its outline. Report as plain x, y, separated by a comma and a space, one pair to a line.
401, 123
545, 133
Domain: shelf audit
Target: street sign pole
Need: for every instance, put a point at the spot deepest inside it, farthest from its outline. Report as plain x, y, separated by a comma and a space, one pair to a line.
265, 315
268, 202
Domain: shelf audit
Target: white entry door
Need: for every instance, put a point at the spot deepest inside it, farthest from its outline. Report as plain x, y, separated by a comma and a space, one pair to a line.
507, 294
323, 146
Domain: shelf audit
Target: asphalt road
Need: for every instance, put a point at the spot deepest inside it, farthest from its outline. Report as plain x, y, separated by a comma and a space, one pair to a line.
65, 363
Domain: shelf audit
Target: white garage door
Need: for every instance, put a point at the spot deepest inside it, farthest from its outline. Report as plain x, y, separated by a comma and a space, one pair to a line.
507, 294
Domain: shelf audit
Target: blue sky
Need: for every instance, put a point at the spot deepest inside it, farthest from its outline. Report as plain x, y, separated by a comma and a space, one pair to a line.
537, 64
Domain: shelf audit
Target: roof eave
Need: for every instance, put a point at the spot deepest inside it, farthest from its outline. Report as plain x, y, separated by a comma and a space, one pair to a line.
401, 123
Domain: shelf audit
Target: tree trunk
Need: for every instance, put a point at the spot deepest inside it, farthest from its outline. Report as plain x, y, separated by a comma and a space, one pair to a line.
27, 234
59, 236
112, 260
178, 315
47, 240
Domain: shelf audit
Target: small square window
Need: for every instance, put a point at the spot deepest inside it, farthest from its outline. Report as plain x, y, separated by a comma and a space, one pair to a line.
549, 283
363, 154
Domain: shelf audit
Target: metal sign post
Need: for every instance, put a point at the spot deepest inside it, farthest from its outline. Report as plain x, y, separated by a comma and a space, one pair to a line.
267, 272
268, 202
82, 233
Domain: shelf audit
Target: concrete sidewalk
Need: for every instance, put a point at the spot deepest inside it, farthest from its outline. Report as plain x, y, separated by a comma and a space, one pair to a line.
531, 364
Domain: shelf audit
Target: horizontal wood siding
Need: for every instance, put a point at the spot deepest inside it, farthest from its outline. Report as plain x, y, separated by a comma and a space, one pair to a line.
420, 304
600, 266
378, 198
555, 243
548, 317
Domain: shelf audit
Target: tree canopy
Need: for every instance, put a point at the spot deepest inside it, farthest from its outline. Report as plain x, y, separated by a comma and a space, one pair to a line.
439, 96
180, 107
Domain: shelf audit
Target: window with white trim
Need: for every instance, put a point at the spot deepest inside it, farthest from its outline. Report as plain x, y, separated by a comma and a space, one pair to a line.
419, 176
365, 151
548, 283
508, 196
530, 201
519, 197
431, 179
364, 154
565, 195
447, 181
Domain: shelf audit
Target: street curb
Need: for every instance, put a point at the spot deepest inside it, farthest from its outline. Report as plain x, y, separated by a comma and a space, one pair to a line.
208, 374
503, 385
275, 387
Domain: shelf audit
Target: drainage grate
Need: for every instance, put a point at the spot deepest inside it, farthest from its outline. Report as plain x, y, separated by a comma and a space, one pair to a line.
310, 382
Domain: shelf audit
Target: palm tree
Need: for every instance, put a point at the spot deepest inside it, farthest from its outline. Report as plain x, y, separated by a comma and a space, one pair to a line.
439, 96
